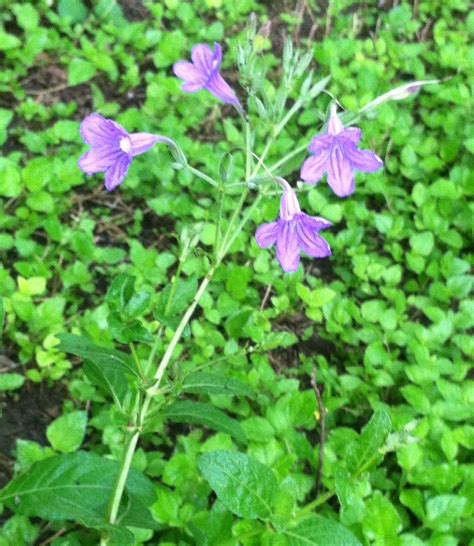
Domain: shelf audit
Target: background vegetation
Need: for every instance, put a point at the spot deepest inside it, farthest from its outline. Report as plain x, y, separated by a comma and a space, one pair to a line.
384, 324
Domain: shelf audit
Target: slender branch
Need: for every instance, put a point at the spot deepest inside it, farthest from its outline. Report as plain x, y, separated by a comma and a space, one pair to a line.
202, 176
322, 432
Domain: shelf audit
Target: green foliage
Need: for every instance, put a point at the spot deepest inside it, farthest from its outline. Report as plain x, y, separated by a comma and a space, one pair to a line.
77, 487
385, 323
242, 484
67, 432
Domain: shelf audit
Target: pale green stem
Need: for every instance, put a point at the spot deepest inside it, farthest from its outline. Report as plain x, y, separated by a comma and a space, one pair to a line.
329, 494
173, 287
220, 211
119, 485
154, 389
287, 157
202, 176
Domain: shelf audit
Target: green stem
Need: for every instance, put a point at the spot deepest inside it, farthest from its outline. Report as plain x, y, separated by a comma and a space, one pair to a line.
202, 176
173, 286
220, 211
329, 494
119, 485
287, 157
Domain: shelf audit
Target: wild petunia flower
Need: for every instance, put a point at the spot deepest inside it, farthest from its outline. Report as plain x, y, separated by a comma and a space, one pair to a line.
112, 148
203, 73
292, 232
337, 154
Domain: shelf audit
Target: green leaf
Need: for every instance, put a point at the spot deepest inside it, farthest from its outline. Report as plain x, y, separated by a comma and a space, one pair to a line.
210, 383
173, 301
8, 41
11, 381
320, 531
80, 71
372, 438
107, 368
74, 10
382, 521
422, 243
443, 511
197, 413
67, 432
10, 181
78, 487
2, 320
120, 291
242, 484
109, 358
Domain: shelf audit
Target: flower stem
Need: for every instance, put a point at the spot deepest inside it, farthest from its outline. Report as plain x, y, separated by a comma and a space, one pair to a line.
202, 176
119, 485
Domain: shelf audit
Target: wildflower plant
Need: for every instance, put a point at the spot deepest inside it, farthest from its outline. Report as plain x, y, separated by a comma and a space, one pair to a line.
112, 498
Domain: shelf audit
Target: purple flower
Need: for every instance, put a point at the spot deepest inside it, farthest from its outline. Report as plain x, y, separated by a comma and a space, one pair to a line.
292, 232
112, 148
337, 154
203, 73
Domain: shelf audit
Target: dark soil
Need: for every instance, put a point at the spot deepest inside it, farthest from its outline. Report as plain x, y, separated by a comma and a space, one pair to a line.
26, 415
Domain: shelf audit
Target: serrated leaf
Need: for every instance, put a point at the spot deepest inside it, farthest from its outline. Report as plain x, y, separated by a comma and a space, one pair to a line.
197, 413
78, 487
242, 484
210, 383
319, 531
372, 438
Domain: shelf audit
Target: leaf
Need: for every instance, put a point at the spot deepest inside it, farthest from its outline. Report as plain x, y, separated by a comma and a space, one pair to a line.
210, 383
80, 71
173, 301
86, 349
75, 10
120, 291
197, 413
11, 381
372, 438
320, 531
78, 487
242, 484
67, 432
2, 320
107, 368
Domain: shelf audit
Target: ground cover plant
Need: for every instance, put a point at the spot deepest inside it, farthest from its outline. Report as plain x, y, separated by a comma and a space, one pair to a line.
172, 378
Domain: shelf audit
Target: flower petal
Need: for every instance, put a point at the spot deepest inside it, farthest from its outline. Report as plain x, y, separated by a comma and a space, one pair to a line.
315, 222
96, 130
217, 56
202, 57
99, 159
266, 234
335, 125
320, 143
310, 242
221, 89
314, 167
117, 172
353, 134
340, 175
289, 205
362, 160
288, 252
142, 142
190, 74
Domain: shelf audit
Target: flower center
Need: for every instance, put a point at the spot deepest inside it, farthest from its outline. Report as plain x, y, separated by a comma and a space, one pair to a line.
125, 144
